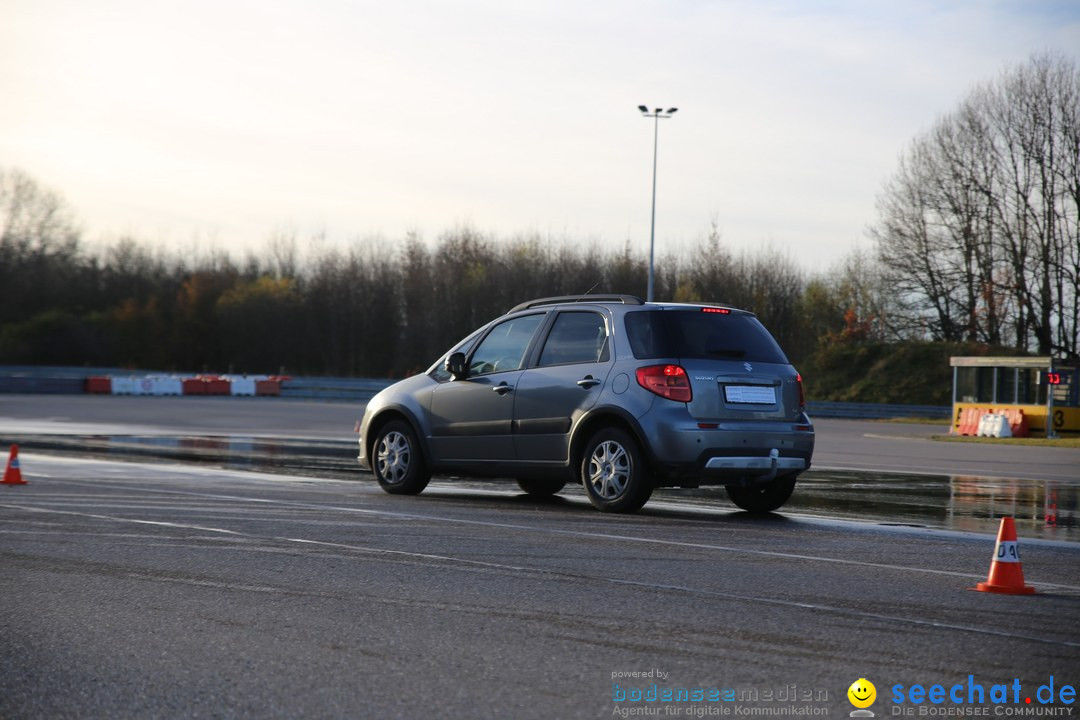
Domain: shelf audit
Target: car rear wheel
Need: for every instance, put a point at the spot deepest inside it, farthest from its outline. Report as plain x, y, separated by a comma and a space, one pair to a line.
398, 461
614, 473
762, 498
540, 487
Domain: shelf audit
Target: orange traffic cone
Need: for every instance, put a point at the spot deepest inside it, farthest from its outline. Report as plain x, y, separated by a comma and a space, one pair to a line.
1006, 573
13, 476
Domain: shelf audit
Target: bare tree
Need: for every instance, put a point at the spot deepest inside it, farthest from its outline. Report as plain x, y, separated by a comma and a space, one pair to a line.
918, 261
39, 248
978, 228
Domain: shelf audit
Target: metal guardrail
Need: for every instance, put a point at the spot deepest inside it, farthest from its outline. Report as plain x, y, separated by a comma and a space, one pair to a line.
71, 371
32, 384
30, 379
877, 411
320, 388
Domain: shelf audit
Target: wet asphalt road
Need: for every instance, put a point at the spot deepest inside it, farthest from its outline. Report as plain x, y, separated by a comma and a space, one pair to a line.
864, 471
131, 589
844, 444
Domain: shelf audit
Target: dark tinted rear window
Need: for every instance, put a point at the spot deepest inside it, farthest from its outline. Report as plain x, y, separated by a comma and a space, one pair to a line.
696, 334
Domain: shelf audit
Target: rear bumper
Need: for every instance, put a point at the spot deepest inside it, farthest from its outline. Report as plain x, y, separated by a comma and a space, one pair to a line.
728, 469
744, 453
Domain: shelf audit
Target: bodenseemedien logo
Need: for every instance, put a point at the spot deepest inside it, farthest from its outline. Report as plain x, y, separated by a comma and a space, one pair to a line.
862, 694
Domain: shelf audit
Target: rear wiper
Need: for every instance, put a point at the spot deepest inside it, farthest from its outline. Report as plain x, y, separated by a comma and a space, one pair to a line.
727, 353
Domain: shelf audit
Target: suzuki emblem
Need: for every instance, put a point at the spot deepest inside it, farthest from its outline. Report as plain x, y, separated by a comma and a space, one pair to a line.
748, 366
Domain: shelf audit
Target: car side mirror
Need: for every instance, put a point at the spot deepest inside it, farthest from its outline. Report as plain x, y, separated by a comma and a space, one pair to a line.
455, 365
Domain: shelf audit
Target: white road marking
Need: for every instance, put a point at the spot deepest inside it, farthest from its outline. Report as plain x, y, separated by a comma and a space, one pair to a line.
571, 533
503, 567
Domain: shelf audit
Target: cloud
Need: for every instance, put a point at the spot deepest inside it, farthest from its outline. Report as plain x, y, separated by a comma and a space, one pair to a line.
235, 119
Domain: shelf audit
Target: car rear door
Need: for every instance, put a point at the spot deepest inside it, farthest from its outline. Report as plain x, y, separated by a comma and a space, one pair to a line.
571, 371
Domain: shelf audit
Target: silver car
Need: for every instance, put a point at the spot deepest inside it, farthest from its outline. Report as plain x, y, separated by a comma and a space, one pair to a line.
620, 395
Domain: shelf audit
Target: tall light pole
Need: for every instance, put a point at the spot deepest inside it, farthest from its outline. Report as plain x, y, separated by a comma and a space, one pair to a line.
657, 115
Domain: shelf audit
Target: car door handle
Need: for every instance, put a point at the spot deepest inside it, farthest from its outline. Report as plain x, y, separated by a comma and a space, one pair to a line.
588, 381
502, 388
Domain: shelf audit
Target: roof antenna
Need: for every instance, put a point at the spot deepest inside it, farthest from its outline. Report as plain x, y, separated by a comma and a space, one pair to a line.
592, 288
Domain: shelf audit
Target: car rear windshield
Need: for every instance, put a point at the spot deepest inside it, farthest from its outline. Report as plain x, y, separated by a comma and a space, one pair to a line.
697, 334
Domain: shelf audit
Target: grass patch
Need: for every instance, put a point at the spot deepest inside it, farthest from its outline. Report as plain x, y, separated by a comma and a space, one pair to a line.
1070, 442
914, 421
907, 373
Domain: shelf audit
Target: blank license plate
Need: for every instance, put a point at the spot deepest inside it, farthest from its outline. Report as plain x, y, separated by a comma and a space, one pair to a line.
750, 394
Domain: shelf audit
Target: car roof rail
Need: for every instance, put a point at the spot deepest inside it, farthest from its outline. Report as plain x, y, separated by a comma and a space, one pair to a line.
624, 299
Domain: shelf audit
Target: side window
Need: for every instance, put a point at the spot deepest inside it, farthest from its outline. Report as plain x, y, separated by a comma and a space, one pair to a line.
643, 332
504, 347
576, 337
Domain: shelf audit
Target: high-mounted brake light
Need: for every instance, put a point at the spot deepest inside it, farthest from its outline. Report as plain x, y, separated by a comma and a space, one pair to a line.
721, 311
667, 381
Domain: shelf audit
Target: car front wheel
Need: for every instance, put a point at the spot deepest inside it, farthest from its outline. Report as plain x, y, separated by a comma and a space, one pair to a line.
614, 473
398, 461
762, 498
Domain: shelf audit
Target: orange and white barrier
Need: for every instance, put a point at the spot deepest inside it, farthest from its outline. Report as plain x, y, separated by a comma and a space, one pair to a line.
969, 421
986, 422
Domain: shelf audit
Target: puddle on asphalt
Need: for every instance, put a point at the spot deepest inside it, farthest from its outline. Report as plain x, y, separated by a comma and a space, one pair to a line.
1042, 509
320, 458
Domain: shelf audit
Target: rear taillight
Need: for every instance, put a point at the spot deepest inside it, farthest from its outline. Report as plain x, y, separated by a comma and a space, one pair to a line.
802, 395
667, 381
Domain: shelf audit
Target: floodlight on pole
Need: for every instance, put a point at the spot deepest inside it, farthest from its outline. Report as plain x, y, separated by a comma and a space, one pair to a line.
657, 115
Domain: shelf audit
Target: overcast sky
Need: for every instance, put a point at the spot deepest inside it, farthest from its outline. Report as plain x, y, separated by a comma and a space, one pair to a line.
221, 123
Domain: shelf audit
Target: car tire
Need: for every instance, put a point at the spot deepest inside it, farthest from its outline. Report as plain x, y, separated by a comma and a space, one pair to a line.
613, 472
762, 498
540, 487
397, 460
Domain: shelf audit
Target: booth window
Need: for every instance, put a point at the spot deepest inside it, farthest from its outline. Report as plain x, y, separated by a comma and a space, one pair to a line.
984, 385
1006, 385
966, 386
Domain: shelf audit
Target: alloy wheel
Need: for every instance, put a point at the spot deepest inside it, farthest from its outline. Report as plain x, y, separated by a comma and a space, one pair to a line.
392, 456
610, 468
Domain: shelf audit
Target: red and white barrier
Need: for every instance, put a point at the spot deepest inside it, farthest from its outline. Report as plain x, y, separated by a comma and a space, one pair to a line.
123, 386
146, 385
99, 385
160, 385
246, 385
270, 386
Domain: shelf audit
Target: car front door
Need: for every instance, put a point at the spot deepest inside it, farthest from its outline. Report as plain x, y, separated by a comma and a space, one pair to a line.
472, 418
567, 380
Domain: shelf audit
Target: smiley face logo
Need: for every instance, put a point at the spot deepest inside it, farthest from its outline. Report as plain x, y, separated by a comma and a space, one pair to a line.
862, 693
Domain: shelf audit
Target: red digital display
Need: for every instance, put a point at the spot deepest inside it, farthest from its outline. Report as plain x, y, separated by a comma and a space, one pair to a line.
1053, 378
